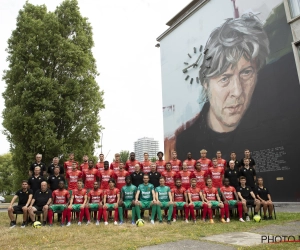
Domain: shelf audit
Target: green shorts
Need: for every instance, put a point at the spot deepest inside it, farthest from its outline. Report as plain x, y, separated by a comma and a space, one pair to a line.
197, 204
110, 206
145, 204
127, 204
76, 207
164, 204
56, 208
94, 206
180, 204
214, 203
232, 202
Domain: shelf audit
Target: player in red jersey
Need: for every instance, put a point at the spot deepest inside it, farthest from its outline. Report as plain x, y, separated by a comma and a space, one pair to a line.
169, 175
73, 176
95, 199
120, 176
100, 164
196, 200
200, 176
160, 163
111, 200
68, 164
185, 176
211, 196
130, 164
176, 164
90, 176
77, 202
146, 164
221, 162
216, 173
205, 162
230, 198
180, 200
85, 165
191, 163
115, 164
60, 200
106, 175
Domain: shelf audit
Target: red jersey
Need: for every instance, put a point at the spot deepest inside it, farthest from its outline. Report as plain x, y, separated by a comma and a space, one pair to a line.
100, 165
221, 163
111, 195
176, 165
84, 166
146, 166
95, 196
130, 166
210, 193
105, 176
228, 192
78, 196
160, 166
205, 164
72, 178
60, 196
120, 176
216, 174
179, 194
89, 177
191, 164
186, 177
68, 166
170, 178
195, 193
114, 166
200, 177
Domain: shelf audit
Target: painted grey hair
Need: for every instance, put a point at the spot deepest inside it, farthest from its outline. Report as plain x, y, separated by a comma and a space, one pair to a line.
237, 37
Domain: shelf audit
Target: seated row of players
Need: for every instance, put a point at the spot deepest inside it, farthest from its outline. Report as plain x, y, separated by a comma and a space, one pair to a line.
146, 196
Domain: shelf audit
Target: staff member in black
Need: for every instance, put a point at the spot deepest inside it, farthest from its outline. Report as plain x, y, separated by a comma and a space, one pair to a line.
54, 179
263, 194
236, 162
232, 174
137, 176
154, 175
249, 173
35, 181
41, 202
54, 163
38, 163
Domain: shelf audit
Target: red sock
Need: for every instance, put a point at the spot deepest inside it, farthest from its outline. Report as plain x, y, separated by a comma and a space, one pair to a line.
81, 214
240, 209
174, 212
186, 211
116, 214
204, 211
69, 212
226, 208
222, 212
87, 213
64, 215
50, 216
192, 212
100, 212
210, 213
105, 214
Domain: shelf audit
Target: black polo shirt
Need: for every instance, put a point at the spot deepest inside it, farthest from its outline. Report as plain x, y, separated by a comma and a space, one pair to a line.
251, 162
245, 192
249, 174
35, 164
262, 192
35, 183
23, 196
41, 198
233, 176
137, 178
236, 164
54, 180
154, 178
50, 170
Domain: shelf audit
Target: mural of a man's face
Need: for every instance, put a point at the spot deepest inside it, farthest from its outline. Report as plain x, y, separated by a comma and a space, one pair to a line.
230, 95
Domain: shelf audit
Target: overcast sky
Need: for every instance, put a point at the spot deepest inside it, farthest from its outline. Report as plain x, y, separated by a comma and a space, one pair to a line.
125, 34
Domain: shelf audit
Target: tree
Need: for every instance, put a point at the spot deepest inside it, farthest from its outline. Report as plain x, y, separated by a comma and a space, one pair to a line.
52, 99
7, 174
153, 159
124, 156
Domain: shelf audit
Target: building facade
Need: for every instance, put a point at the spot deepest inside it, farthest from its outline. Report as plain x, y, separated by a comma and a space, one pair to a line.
145, 145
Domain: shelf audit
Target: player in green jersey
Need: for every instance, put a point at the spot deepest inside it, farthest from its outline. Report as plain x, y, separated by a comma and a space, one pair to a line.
145, 198
127, 199
163, 199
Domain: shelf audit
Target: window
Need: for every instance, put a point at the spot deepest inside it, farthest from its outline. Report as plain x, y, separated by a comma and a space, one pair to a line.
294, 8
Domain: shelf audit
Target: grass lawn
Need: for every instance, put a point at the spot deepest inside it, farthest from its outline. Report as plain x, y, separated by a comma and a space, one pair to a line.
125, 236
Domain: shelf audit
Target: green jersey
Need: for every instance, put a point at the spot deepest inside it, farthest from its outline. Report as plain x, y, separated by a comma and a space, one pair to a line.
128, 192
146, 192
163, 193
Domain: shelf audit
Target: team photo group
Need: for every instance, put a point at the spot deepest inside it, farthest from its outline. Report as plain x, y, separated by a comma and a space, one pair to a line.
207, 189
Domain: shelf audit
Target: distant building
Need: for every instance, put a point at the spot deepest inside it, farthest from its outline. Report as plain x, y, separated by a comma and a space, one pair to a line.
145, 145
